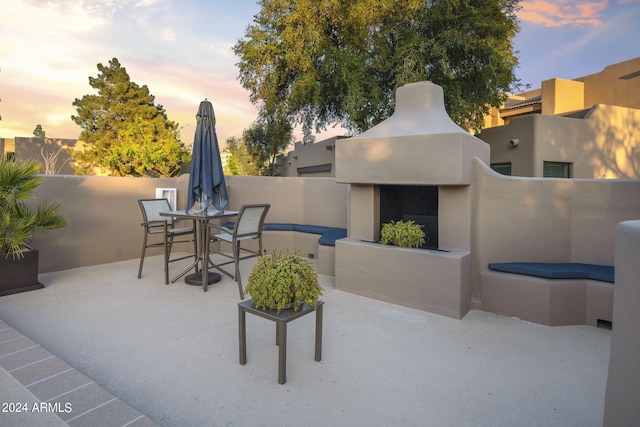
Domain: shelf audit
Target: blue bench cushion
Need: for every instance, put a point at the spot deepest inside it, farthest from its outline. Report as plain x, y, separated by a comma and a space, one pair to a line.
311, 229
328, 235
569, 270
277, 226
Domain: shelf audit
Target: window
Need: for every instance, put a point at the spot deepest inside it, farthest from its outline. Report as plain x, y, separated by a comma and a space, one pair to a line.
556, 170
503, 168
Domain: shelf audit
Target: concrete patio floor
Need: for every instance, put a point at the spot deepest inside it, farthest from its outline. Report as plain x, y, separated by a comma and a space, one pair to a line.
171, 352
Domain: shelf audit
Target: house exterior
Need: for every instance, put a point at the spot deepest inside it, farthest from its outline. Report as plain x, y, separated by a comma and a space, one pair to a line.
315, 159
588, 127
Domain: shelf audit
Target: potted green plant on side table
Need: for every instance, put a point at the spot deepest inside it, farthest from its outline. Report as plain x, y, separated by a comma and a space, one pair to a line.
406, 234
282, 280
283, 287
18, 223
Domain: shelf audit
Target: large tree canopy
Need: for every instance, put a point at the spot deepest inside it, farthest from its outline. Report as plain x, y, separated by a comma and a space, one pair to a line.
124, 133
319, 62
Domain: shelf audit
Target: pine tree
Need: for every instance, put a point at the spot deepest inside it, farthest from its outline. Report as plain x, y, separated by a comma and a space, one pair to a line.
124, 133
38, 132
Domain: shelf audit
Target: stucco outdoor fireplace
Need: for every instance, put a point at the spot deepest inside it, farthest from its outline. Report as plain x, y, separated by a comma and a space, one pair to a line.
415, 165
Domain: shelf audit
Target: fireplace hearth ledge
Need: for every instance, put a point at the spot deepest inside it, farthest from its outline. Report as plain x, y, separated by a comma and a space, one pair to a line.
429, 280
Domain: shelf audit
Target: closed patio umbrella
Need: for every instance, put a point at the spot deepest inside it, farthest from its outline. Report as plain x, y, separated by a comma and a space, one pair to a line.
206, 179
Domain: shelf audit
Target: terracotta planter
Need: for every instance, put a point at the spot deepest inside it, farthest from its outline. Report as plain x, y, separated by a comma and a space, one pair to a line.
19, 275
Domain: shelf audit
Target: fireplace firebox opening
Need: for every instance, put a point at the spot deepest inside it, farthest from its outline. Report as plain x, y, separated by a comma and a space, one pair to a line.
416, 203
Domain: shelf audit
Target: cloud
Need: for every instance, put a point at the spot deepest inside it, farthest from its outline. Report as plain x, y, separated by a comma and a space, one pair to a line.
563, 12
145, 3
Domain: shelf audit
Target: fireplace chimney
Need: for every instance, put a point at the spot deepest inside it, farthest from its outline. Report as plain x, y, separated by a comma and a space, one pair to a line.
418, 145
416, 165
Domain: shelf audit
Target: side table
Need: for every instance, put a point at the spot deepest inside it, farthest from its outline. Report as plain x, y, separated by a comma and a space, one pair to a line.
281, 319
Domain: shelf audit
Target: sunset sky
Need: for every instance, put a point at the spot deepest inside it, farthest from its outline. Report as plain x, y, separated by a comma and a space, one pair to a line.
181, 49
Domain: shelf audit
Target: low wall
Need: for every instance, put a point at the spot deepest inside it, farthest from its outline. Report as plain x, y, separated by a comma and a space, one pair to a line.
316, 201
104, 217
428, 280
546, 220
623, 382
514, 219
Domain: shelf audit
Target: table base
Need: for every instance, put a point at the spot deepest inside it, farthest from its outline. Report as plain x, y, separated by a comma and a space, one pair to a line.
196, 278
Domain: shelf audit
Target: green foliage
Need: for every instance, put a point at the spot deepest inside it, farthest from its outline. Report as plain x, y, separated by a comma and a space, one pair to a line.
407, 234
239, 159
279, 281
124, 133
18, 222
38, 132
259, 148
340, 61
265, 140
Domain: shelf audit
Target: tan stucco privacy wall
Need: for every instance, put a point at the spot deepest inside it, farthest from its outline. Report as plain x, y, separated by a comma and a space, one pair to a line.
547, 220
623, 383
104, 217
513, 219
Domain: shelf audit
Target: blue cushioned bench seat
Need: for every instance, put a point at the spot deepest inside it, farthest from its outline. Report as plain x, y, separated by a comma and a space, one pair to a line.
328, 235
568, 270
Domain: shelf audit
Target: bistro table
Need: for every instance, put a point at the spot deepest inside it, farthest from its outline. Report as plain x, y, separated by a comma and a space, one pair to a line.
203, 277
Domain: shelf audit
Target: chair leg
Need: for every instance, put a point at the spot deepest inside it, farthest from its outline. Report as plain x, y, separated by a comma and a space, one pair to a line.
144, 249
195, 243
236, 256
168, 242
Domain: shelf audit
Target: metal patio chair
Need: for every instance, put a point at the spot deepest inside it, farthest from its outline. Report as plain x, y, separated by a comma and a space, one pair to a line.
248, 226
156, 225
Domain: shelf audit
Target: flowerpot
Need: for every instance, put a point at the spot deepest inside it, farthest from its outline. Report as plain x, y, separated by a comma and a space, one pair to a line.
19, 275
289, 306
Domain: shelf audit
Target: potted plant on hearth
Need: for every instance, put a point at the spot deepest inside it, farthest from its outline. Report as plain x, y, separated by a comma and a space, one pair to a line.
18, 223
406, 234
281, 280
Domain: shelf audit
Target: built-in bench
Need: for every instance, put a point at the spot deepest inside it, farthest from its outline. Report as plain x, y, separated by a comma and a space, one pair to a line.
302, 238
328, 235
549, 293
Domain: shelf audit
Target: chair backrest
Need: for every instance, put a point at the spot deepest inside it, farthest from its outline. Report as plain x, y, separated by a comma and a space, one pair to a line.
251, 219
151, 209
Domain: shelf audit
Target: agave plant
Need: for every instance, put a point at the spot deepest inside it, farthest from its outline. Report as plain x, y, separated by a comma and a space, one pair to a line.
18, 222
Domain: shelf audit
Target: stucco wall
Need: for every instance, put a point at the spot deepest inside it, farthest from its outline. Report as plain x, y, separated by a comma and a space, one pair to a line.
617, 84
520, 156
623, 383
52, 153
513, 219
560, 96
547, 220
603, 144
302, 160
318, 201
104, 217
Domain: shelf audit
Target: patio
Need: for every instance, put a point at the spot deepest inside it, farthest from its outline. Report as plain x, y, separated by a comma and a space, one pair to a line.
171, 352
